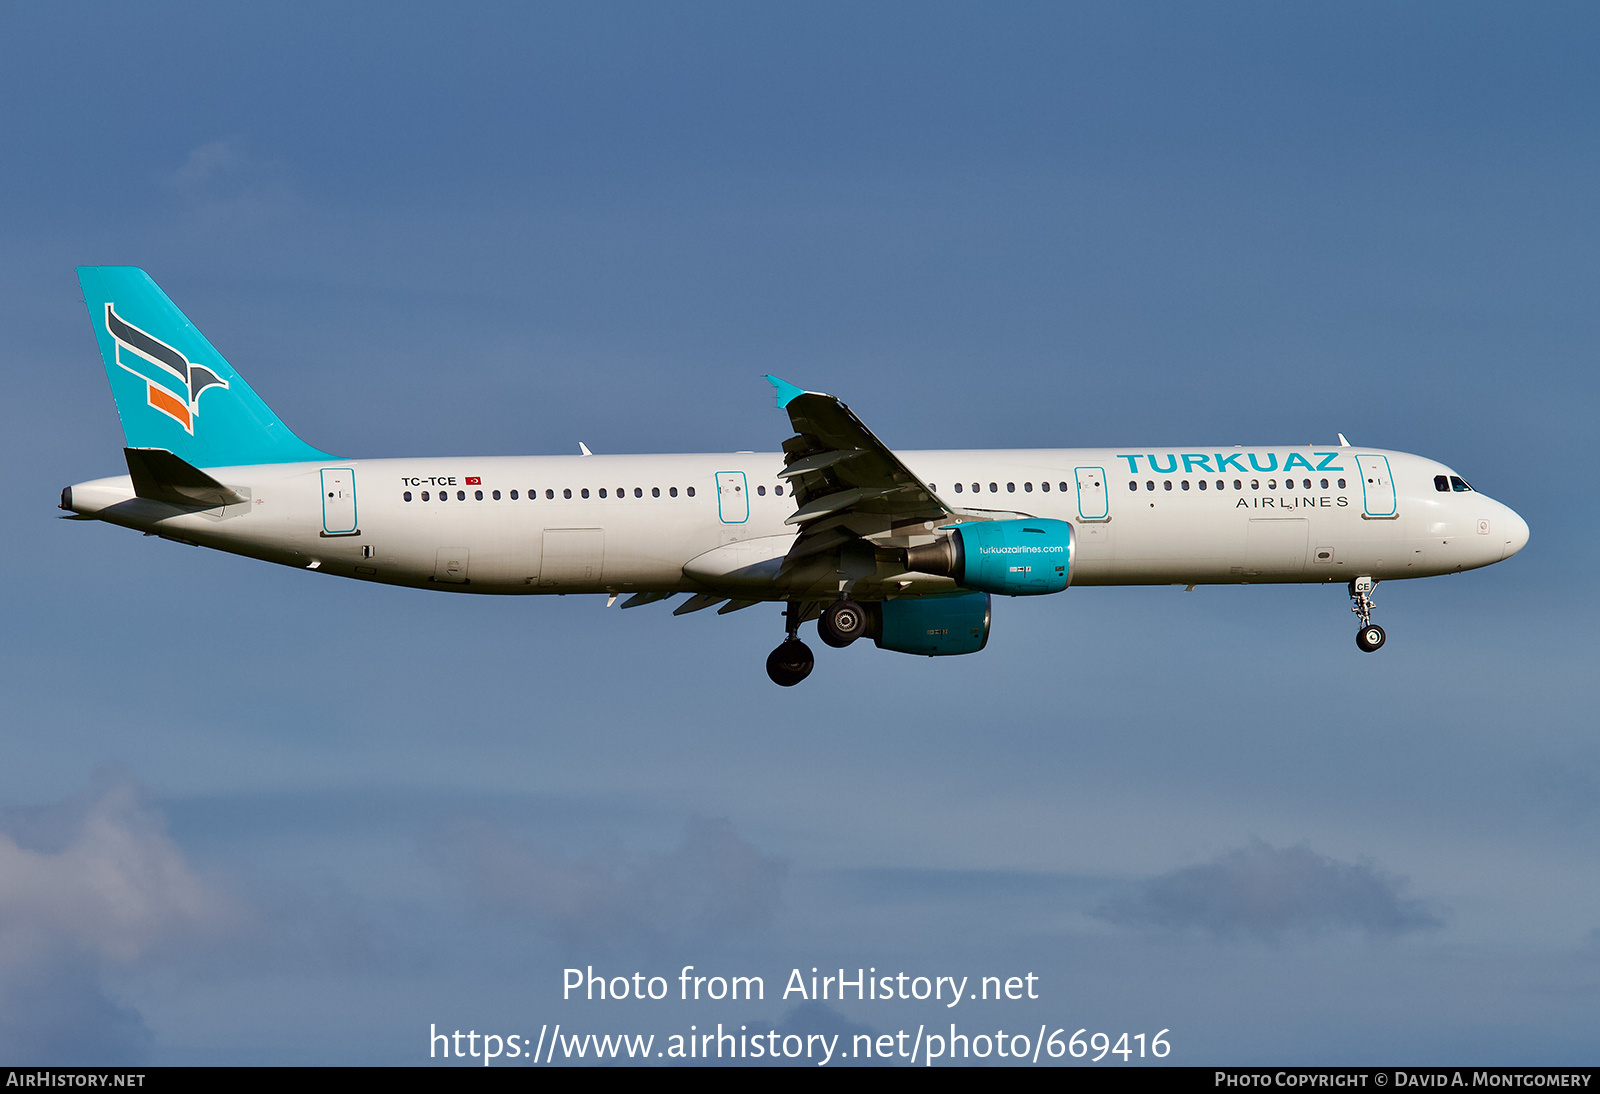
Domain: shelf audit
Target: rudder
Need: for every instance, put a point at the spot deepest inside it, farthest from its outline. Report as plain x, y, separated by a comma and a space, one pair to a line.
172, 388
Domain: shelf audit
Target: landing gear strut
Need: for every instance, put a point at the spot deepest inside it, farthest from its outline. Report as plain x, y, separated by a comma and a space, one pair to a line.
791, 662
1370, 637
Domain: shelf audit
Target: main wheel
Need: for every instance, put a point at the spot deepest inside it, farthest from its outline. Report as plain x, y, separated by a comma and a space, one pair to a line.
790, 663
841, 623
1370, 638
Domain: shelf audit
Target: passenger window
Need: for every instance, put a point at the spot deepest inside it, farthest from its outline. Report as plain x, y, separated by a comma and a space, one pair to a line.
550, 494
478, 495
461, 495
1341, 484
1046, 487
994, 488
1027, 488
778, 490
567, 493
495, 495
672, 491
1063, 487
976, 488
1306, 483
1133, 484
638, 491
761, 491
1255, 484
1237, 485
689, 490
1186, 484
1011, 488
1459, 485
408, 495
1324, 484
1272, 484
1288, 484
958, 488
1201, 484
584, 492
1149, 484
655, 491
1166, 484
514, 495
602, 491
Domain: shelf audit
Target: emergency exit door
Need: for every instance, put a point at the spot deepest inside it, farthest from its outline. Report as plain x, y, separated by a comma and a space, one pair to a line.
733, 497
1092, 501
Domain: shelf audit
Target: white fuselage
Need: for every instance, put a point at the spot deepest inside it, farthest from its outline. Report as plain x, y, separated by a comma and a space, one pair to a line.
715, 523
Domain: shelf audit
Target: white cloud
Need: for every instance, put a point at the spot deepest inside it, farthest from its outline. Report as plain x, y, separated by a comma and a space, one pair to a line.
85, 888
221, 183
1270, 892
711, 884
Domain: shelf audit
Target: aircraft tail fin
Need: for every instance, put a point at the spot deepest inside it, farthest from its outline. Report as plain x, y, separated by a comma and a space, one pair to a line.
173, 390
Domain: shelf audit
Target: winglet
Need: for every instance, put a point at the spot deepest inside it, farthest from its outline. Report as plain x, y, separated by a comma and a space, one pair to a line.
787, 392
1342, 442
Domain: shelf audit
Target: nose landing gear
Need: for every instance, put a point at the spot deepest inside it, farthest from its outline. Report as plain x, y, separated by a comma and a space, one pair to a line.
1370, 638
792, 661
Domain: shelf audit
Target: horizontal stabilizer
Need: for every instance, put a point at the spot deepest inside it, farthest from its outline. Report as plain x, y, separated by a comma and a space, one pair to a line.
160, 476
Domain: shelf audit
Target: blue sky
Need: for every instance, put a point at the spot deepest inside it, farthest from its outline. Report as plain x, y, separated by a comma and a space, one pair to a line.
253, 815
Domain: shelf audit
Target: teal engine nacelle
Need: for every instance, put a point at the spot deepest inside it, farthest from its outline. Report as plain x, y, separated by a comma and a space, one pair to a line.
1012, 557
938, 626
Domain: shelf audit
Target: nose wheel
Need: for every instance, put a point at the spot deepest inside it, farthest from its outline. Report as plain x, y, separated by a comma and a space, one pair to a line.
1370, 638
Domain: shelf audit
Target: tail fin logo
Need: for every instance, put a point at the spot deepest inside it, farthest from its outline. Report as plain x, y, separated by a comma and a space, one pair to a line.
173, 383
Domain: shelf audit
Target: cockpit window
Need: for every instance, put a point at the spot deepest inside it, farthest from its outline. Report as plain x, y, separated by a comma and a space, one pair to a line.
1459, 485
1441, 483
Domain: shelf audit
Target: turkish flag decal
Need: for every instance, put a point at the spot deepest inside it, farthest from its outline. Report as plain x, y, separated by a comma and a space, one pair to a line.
474, 480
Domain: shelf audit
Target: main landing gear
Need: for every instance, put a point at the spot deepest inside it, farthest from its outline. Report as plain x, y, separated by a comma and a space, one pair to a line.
791, 662
841, 623
1370, 637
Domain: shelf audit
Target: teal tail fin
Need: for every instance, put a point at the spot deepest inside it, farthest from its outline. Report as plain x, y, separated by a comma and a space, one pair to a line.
173, 390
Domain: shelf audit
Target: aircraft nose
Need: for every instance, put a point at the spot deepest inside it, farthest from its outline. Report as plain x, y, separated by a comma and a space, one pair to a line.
1516, 534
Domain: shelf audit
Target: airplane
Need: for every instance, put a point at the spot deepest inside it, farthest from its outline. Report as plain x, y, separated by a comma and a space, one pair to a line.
905, 548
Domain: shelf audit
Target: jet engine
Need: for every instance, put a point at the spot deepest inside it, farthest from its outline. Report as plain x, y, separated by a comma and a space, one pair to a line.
937, 626
1011, 557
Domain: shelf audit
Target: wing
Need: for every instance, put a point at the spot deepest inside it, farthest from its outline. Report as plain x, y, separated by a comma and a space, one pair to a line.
847, 484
